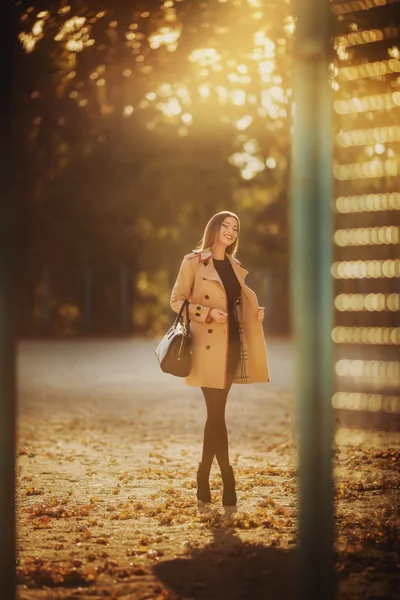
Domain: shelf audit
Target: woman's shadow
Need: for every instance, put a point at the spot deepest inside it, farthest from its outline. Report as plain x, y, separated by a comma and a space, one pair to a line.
230, 568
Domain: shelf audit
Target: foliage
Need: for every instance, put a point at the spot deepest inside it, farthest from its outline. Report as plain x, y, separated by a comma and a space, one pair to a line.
140, 120
133, 504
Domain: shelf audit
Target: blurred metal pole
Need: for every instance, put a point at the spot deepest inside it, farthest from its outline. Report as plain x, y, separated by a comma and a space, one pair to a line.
312, 292
7, 333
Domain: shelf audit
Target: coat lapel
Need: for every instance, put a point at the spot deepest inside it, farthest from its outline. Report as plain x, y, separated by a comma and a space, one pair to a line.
208, 269
210, 272
238, 270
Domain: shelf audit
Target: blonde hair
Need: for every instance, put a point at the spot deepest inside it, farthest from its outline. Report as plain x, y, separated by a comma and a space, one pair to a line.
212, 230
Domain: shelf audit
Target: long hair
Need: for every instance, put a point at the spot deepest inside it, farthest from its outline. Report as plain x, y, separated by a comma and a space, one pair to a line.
212, 230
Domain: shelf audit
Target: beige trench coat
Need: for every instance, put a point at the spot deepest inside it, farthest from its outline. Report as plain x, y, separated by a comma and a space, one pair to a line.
198, 281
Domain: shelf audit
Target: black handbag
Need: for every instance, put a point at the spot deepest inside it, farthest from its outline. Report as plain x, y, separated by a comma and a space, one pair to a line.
174, 352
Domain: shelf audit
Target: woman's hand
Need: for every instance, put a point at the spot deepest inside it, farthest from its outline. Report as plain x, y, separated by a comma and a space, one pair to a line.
219, 316
261, 313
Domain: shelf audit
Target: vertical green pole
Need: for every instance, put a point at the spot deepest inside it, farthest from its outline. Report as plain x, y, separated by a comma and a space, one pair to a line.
7, 335
312, 292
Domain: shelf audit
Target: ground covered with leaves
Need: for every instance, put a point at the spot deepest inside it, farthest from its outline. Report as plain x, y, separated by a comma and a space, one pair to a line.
107, 454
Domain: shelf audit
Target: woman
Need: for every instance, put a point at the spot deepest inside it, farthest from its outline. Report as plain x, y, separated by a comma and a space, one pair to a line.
227, 338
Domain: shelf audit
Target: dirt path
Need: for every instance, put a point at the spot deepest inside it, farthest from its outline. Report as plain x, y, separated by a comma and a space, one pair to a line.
107, 452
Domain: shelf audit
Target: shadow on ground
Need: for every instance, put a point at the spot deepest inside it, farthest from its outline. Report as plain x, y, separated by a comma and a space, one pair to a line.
230, 568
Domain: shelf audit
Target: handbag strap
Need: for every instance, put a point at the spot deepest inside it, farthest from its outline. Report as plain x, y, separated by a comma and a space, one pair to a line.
180, 316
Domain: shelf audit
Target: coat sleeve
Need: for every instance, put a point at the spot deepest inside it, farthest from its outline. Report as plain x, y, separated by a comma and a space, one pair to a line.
182, 290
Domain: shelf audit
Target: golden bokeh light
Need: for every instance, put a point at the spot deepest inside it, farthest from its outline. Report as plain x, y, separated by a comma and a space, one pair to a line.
356, 105
375, 69
367, 302
365, 81
164, 36
384, 373
363, 236
187, 118
368, 36
363, 137
128, 110
372, 169
246, 87
366, 335
205, 57
368, 202
368, 402
360, 269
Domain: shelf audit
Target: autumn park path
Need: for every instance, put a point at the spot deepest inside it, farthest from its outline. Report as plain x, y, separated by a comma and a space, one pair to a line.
107, 452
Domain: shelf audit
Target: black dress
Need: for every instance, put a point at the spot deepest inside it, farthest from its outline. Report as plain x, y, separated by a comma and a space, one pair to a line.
232, 289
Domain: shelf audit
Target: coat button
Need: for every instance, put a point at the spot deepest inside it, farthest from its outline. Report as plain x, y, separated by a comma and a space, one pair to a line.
197, 314
207, 297
210, 331
198, 307
206, 264
208, 347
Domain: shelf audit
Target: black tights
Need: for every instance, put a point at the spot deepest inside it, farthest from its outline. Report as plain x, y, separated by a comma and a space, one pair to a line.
215, 434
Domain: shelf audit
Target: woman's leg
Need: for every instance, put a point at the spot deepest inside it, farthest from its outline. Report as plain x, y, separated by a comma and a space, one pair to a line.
215, 433
215, 441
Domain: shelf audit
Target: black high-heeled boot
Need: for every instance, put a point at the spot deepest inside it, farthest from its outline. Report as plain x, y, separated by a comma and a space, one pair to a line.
203, 486
229, 491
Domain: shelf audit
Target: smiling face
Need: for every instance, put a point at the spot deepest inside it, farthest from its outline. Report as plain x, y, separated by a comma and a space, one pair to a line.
228, 232
221, 233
